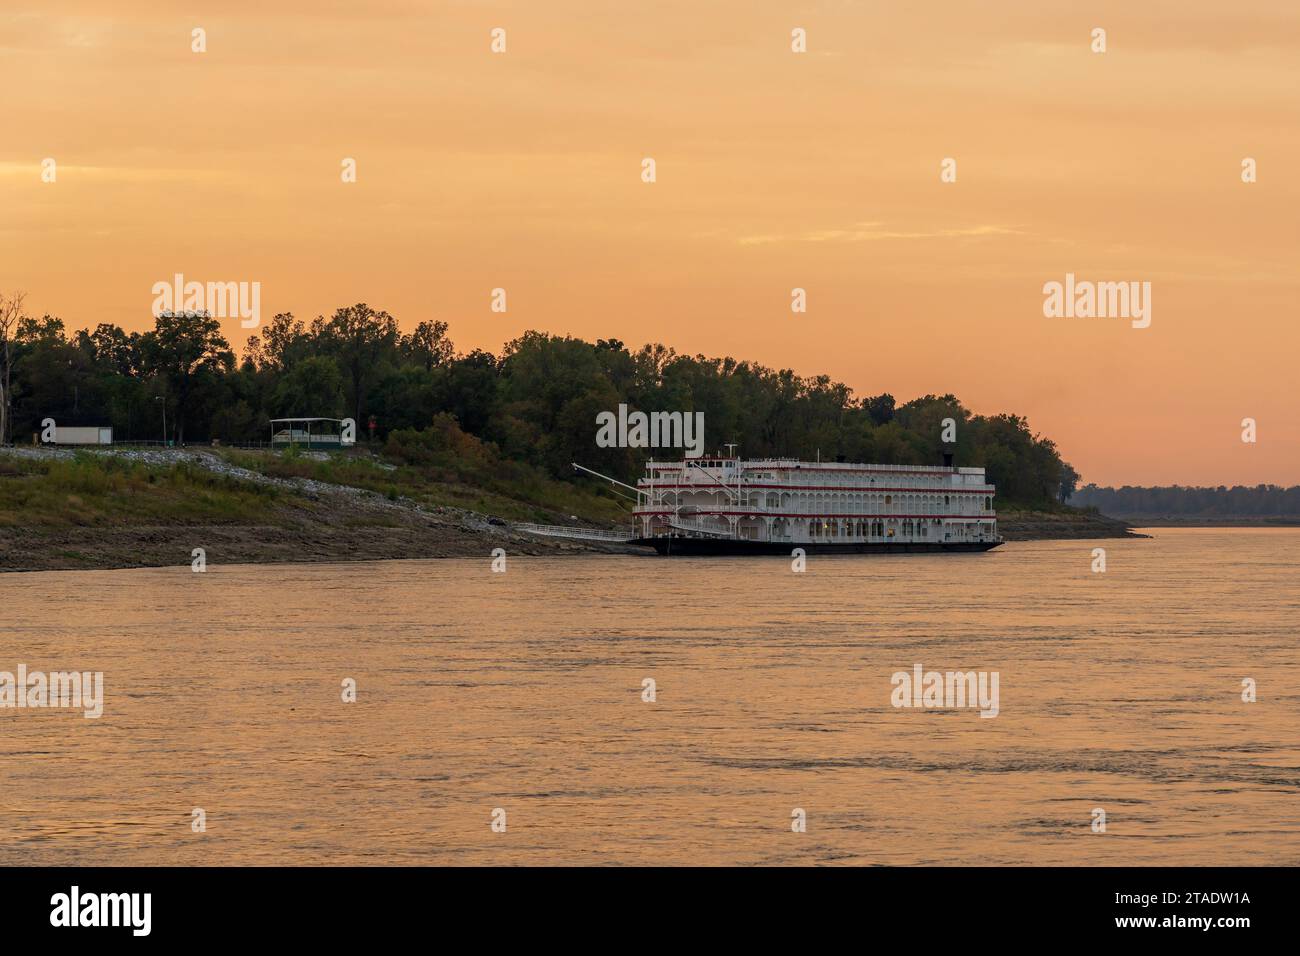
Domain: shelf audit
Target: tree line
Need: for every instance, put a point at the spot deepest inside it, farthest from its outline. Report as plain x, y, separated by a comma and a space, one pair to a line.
536, 402
1270, 501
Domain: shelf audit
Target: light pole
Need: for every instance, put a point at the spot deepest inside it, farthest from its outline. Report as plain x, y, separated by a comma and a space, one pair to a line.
159, 398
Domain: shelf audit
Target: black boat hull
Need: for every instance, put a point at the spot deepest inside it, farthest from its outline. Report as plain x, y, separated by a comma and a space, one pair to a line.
705, 547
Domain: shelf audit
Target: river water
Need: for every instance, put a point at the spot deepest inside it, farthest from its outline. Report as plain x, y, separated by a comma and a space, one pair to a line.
522, 692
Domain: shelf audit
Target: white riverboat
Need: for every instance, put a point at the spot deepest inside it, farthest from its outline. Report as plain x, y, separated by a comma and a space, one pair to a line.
726, 505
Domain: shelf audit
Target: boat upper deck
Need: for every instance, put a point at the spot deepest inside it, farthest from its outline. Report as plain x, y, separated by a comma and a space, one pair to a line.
791, 473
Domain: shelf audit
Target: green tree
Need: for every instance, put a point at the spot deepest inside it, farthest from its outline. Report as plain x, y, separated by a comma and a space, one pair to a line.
428, 345
11, 310
363, 341
185, 352
312, 388
1069, 482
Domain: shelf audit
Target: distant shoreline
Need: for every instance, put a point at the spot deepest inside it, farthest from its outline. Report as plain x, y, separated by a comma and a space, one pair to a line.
1148, 521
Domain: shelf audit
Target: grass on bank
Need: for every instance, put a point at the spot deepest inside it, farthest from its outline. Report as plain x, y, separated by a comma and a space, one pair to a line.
98, 490
444, 466
441, 466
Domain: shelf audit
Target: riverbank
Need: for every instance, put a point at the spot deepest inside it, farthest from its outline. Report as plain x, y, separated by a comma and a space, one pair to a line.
1069, 523
127, 508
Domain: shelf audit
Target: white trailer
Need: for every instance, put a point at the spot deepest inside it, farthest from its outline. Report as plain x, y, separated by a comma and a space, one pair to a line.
91, 435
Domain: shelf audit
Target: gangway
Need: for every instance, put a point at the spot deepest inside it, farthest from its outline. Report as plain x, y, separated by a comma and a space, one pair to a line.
577, 534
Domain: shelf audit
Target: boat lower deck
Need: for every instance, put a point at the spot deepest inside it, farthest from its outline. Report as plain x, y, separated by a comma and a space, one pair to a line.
686, 546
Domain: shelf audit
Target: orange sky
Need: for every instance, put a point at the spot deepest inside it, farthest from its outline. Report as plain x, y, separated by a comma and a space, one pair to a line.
775, 170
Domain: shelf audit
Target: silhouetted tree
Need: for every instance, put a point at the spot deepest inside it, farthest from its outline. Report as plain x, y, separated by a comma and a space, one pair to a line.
186, 351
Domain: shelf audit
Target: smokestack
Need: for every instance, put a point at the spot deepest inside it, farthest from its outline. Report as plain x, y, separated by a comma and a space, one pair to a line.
947, 459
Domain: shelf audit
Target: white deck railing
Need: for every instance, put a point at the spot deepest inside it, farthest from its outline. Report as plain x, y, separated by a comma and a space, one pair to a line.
565, 531
681, 524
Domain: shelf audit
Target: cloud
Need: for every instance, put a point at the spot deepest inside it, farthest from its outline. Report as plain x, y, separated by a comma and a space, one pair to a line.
875, 232
68, 172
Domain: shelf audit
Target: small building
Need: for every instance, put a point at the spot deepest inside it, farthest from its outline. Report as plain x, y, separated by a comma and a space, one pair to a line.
313, 432
88, 435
